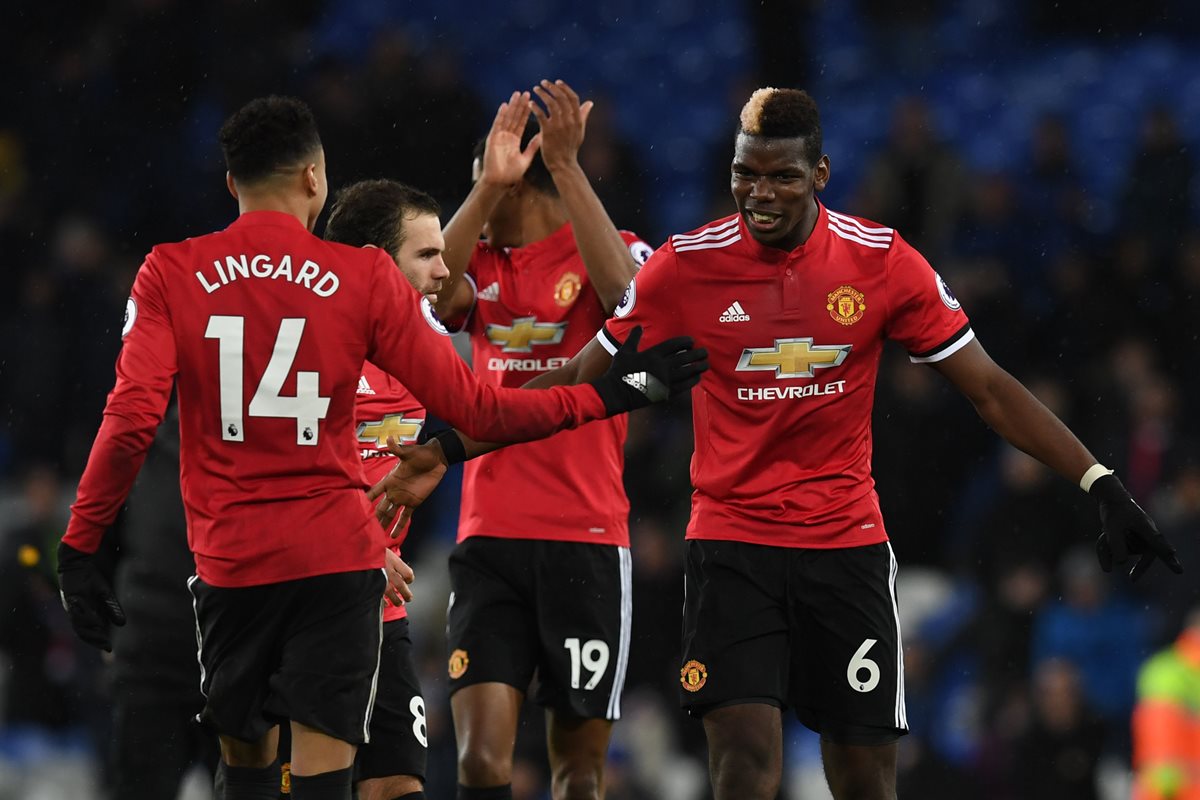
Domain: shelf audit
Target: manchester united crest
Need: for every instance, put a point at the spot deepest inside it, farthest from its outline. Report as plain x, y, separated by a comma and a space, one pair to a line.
693, 676
458, 664
567, 289
846, 305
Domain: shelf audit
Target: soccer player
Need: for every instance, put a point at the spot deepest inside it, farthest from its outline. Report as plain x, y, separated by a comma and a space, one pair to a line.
403, 222
264, 328
790, 578
541, 584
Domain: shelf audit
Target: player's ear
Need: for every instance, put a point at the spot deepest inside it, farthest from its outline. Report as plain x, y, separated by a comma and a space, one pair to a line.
312, 182
230, 185
821, 173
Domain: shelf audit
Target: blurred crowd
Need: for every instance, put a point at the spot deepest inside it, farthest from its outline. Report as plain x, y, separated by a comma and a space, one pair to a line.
1021, 656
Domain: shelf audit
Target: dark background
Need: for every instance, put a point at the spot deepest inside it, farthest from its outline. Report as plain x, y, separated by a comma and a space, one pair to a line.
1040, 155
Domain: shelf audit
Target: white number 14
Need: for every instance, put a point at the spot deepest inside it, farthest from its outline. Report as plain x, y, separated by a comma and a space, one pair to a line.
307, 406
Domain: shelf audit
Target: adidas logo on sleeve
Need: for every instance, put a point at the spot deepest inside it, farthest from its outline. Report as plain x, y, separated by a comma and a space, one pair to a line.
735, 313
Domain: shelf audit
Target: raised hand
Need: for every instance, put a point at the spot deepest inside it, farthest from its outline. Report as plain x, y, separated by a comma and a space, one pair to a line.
563, 122
504, 162
417, 473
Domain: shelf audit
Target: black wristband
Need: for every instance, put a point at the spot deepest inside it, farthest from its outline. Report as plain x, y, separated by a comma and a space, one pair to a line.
452, 446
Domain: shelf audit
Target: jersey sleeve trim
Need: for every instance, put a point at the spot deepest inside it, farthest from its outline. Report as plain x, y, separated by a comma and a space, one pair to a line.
607, 341
961, 338
460, 323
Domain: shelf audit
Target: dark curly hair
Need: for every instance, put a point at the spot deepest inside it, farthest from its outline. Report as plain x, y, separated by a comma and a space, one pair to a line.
268, 134
373, 212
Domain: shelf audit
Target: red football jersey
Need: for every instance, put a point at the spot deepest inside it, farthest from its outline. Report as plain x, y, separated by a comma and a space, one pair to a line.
534, 309
266, 328
782, 419
383, 408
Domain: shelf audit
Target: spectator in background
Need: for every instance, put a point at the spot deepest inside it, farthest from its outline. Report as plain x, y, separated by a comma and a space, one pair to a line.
1057, 756
1157, 199
1178, 512
420, 106
88, 309
156, 677
46, 668
612, 163
1080, 629
917, 183
1053, 200
1166, 721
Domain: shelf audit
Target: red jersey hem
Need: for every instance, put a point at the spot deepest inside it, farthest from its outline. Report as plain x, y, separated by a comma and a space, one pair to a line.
619, 540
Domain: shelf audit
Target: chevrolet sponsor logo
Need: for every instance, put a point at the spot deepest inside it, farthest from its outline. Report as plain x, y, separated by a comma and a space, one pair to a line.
793, 358
524, 333
404, 429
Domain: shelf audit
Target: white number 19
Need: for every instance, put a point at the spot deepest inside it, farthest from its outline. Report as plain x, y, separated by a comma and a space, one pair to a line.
307, 406
592, 656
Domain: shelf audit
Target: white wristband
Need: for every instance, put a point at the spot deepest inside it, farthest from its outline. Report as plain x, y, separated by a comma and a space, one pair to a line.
1094, 472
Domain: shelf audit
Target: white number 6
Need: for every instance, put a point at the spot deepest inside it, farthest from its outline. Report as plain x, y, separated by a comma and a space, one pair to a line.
859, 662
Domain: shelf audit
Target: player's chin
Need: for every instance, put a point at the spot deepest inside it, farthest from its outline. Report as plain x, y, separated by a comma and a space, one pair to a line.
432, 298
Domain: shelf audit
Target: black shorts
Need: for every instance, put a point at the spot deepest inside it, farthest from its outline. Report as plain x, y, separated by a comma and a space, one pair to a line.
560, 608
304, 650
816, 630
398, 743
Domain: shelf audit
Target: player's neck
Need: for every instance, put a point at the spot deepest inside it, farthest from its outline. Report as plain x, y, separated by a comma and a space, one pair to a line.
284, 203
541, 220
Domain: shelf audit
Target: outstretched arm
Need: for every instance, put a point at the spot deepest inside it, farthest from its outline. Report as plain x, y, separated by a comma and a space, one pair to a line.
610, 266
1011, 411
420, 467
502, 167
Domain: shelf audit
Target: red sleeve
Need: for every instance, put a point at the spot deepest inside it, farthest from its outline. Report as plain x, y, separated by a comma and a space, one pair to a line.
923, 314
408, 341
638, 248
145, 372
649, 301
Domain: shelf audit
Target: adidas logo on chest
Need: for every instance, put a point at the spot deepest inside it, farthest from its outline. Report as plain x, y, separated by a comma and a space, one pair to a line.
735, 313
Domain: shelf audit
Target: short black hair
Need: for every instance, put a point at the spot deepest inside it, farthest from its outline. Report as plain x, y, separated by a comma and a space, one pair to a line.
536, 175
373, 212
784, 114
268, 134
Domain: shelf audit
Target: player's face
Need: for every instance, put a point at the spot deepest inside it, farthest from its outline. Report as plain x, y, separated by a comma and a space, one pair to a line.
420, 256
775, 186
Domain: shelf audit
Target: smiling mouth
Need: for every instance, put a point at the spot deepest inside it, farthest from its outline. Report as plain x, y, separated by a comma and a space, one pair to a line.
761, 219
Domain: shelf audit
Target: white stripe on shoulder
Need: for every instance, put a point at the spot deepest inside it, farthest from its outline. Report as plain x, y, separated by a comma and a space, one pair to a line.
708, 245
683, 237
850, 229
856, 223
712, 237
860, 240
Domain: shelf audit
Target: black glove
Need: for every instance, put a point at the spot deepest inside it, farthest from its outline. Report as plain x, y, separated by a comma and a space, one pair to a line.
1126, 528
636, 379
87, 597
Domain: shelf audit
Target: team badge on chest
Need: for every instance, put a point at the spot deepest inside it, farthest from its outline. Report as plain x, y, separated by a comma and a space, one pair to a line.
846, 305
567, 289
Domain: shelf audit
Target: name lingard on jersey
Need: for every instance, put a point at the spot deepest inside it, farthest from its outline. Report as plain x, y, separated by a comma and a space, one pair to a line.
777, 393
497, 364
310, 275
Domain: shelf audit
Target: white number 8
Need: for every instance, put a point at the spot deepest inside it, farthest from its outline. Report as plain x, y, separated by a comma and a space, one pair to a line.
859, 662
593, 656
417, 707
